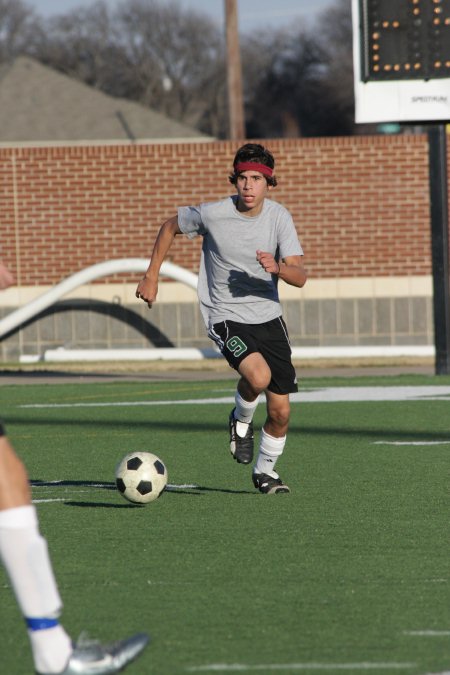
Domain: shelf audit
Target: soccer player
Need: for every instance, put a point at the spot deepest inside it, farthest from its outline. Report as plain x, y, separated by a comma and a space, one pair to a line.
26, 559
249, 243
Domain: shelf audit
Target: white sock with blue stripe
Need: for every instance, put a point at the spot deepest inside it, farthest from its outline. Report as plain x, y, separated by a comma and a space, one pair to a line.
25, 556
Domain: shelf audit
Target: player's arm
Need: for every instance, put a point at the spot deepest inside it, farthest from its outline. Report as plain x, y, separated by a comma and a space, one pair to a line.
290, 269
6, 278
147, 288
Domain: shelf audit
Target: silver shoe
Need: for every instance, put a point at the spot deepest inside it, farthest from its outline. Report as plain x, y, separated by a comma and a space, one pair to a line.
92, 658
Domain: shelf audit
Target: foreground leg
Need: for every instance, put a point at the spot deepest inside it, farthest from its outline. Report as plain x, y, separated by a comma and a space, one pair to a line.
25, 556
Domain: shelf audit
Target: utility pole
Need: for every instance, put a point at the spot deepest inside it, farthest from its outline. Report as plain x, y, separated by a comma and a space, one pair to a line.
234, 73
437, 141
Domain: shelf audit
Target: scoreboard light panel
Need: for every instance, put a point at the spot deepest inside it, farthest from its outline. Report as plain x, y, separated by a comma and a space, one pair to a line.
401, 53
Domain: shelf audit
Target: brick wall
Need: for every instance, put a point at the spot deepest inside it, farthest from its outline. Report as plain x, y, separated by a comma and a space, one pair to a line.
361, 204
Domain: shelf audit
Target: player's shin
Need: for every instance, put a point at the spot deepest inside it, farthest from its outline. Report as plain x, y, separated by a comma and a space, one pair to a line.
25, 556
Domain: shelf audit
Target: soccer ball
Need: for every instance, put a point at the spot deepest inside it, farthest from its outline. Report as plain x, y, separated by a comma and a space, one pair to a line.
141, 477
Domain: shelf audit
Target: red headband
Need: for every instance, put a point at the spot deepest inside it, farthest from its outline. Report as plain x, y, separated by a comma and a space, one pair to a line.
253, 166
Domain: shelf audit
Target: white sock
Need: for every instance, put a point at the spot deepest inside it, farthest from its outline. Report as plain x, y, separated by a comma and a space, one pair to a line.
52, 649
244, 411
25, 556
270, 449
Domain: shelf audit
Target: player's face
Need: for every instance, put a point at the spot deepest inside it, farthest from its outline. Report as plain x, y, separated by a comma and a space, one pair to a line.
252, 188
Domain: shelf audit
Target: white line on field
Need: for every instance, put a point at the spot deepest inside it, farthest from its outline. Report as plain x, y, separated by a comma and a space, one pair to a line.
411, 443
326, 395
241, 667
45, 501
131, 404
427, 633
184, 486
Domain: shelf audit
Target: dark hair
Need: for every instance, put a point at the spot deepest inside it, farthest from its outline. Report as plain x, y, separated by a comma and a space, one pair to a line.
254, 152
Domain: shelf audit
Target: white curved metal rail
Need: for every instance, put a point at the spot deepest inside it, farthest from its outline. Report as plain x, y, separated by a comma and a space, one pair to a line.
103, 269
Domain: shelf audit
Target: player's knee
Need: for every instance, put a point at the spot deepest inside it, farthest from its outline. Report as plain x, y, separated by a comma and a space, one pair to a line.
13, 474
261, 380
256, 374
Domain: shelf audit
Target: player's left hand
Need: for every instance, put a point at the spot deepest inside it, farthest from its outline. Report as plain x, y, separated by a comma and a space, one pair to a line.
267, 261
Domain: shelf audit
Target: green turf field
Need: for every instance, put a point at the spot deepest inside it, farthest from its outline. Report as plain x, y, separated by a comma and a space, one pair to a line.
350, 573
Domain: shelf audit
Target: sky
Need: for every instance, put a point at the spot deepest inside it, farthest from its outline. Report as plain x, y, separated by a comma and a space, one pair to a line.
258, 14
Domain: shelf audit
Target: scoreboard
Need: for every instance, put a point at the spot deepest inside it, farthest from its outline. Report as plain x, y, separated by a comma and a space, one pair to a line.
401, 55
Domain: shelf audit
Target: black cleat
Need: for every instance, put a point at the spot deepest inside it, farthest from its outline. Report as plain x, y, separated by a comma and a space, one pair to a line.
269, 485
241, 447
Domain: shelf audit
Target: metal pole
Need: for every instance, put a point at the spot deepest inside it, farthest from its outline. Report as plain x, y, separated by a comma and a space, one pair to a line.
437, 144
234, 74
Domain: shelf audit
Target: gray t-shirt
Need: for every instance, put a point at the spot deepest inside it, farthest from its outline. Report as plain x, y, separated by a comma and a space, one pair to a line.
232, 284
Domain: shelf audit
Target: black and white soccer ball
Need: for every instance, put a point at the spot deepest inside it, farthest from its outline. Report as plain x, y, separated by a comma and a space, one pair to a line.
141, 477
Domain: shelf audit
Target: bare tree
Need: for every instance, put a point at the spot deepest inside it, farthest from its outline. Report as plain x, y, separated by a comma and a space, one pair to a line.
81, 44
285, 100
176, 57
17, 26
335, 36
301, 84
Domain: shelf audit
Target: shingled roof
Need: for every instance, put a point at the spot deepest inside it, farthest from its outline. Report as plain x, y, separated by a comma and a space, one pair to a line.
37, 103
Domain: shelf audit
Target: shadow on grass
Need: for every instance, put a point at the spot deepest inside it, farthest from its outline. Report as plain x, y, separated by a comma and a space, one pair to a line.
199, 489
73, 483
188, 490
103, 505
400, 430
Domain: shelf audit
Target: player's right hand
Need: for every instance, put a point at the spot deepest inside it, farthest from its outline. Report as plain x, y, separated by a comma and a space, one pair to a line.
147, 291
6, 278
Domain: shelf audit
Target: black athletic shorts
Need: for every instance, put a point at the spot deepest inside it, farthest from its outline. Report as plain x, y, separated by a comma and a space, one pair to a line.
238, 340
